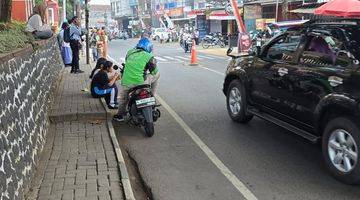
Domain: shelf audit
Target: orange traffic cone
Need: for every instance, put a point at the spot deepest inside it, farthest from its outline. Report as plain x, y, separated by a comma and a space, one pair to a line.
193, 61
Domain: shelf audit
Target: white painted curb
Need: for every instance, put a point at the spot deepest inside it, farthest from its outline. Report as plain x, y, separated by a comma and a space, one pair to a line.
128, 192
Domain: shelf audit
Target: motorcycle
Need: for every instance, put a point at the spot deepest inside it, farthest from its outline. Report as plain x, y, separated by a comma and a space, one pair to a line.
186, 43
141, 109
213, 40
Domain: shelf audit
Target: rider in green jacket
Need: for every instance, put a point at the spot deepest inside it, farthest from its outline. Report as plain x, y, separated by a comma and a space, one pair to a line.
138, 62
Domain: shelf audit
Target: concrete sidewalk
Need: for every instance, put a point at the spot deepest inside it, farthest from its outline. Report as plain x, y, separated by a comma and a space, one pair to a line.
79, 160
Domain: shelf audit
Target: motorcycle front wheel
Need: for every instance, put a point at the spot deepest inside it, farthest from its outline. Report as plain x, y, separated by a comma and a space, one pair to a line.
149, 129
205, 45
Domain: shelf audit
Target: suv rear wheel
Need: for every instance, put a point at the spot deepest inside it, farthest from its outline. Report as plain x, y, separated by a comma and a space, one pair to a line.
236, 102
341, 146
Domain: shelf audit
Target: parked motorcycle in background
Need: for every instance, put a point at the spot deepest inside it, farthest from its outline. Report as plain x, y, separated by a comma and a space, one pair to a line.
212, 39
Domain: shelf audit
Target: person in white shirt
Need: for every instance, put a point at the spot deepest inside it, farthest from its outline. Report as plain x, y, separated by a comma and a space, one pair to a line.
37, 23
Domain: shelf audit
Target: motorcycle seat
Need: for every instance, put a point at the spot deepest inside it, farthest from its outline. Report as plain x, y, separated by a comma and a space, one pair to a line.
143, 86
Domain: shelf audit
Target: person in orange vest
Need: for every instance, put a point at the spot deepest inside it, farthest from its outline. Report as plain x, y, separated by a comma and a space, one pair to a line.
104, 42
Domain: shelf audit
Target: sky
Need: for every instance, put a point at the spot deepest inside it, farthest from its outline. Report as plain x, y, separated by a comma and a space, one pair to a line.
100, 2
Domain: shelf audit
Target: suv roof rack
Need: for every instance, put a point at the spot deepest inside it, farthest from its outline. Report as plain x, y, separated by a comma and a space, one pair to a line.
344, 21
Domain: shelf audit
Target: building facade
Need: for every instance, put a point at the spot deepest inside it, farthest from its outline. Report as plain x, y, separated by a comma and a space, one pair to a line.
121, 12
21, 9
99, 15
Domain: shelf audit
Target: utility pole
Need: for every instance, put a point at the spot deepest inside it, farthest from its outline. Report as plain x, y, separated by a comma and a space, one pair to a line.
285, 9
64, 10
277, 11
87, 32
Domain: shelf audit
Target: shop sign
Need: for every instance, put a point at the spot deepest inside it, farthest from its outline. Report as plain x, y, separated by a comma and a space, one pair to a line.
260, 24
176, 12
252, 11
159, 12
194, 13
187, 8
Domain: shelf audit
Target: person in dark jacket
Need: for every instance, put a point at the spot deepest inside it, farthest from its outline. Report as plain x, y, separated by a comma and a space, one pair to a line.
75, 44
102, 86
99, 63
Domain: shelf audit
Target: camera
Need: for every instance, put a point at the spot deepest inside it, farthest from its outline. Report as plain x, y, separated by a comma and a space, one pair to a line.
121, 69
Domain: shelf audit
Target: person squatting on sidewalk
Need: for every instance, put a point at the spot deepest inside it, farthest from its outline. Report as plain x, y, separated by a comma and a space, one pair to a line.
75, 44
103, 86
138, 62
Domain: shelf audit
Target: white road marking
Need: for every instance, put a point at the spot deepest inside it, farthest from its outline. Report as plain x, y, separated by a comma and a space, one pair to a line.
160, 58
209, 153
183, 58
207, 57
171, 58
222, 74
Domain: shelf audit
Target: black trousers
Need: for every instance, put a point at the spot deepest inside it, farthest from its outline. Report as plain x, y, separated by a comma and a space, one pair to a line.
75, 48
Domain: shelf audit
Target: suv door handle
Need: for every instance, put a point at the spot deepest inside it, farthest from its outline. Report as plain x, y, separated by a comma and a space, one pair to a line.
282, 71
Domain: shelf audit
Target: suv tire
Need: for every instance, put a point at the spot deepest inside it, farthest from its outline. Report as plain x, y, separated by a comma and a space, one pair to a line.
341, 146
236, 102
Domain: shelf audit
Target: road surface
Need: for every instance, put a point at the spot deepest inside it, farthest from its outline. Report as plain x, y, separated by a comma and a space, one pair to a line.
198, 153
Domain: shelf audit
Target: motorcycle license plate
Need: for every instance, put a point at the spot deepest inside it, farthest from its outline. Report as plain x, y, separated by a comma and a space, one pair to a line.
145, 102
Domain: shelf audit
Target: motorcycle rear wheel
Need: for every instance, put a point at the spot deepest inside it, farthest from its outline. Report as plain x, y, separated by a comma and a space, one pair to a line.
149, 129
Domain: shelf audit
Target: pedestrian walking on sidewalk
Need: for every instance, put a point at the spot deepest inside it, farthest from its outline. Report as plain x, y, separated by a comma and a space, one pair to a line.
75, 44
102, 86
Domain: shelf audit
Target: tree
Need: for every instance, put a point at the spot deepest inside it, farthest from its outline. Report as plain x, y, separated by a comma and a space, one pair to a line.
5, 10
69, 7
39, 2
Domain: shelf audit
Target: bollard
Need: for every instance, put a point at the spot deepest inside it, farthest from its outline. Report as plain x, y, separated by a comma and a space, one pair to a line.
193, 61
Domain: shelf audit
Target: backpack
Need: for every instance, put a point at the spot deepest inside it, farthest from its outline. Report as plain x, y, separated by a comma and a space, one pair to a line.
67, 35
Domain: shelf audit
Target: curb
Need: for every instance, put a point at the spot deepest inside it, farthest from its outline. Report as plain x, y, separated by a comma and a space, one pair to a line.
128, 192
54, 118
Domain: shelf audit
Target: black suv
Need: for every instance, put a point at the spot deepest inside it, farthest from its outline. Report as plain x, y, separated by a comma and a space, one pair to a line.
307, 80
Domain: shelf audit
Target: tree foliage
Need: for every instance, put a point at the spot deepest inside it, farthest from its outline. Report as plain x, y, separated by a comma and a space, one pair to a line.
39, 2
69, 8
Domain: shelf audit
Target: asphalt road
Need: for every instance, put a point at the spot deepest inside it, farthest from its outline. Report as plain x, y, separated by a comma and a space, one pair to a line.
269, 161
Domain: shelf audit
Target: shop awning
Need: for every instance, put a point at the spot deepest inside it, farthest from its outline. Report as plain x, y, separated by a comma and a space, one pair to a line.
340, 8
221, 15
304, 10
183, 19
194, 13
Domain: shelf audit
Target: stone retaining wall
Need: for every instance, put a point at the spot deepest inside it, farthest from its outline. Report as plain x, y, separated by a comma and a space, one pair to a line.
27, 80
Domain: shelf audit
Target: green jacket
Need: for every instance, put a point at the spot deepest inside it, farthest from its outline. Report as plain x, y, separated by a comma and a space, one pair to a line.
137, 62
